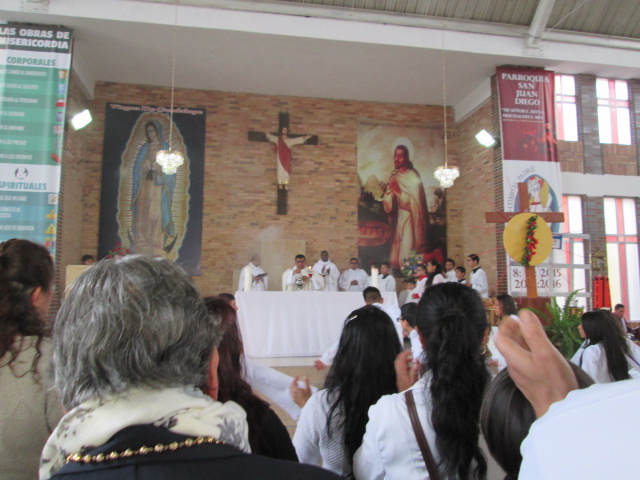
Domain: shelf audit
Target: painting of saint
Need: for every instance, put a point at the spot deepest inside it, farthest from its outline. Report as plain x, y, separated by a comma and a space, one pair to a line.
401, 203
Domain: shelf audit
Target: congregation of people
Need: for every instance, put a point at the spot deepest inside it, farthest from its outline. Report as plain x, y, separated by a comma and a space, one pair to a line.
141, 377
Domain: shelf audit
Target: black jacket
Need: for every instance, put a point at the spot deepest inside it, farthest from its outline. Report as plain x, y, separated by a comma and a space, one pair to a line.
208, 461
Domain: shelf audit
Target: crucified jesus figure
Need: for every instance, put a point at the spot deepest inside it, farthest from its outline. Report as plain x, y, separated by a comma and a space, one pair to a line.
283, 144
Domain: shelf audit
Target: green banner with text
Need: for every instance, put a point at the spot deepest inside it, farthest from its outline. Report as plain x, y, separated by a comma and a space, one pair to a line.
34, 77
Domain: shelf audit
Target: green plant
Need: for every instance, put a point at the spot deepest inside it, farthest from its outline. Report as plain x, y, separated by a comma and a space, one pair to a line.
562, 325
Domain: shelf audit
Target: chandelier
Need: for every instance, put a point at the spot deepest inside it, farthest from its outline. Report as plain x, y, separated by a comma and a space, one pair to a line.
444, 173
171, 159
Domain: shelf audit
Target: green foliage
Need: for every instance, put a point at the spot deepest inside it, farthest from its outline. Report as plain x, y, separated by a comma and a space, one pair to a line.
562, 326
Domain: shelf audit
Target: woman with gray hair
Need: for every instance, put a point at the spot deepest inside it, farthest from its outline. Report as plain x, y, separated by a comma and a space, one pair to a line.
132, 344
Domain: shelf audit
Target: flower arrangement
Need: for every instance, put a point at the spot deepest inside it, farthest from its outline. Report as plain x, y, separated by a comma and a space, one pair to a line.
118, 251
409, 264
531, 241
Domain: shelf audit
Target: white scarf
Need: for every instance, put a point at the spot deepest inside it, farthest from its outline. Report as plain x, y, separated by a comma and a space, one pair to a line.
186, 410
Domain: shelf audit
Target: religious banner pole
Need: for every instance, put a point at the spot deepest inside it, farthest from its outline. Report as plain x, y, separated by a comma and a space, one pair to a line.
283, 142
525, 233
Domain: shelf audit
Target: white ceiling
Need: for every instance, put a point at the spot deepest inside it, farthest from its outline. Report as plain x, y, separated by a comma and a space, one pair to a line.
285, 48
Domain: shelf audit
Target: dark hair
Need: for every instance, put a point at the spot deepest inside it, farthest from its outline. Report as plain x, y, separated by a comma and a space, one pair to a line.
371, 295
452, 321
618, 305
227, 297
87, 257
474, 257
386, 263
300, 256
361, 373
601, 327
506, 418
449, 260
408, 312
24, 266
405, 150
233, 386
354, 258
409, 280
507, 304
462, 270
432, 276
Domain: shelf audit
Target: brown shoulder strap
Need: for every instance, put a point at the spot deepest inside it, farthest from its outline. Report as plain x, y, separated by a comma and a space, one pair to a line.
422, 440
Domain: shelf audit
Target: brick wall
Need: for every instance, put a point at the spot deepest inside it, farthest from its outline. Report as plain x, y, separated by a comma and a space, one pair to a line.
239, 189
69, 248
571, 156
588, 123
468, 232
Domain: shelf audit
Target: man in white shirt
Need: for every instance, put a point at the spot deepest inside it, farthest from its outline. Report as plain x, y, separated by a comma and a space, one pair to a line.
450, 267
299, 278
328, 270
259, 279
478, 277
354, 279
386, 281
373, 297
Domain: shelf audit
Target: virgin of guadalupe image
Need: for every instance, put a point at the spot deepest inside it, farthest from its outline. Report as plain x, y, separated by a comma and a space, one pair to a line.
149, 225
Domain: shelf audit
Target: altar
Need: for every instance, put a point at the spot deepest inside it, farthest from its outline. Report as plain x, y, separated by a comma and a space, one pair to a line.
295, 324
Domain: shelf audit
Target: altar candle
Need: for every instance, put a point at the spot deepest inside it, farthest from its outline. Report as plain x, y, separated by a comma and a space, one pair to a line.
247, 279
375, 280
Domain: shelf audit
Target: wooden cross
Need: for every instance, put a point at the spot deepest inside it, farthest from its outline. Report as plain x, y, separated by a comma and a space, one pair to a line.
504, 217
283, 141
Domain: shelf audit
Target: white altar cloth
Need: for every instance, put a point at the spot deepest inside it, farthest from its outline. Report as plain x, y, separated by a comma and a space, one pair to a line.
295, 324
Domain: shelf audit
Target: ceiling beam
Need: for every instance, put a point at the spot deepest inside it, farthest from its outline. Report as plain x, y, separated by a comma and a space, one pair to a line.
539, 22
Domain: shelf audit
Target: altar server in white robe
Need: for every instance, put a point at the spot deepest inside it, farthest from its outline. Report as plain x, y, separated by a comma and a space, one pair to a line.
386, 281
259, 278
354, 279
301, 277
328, 271
373, 297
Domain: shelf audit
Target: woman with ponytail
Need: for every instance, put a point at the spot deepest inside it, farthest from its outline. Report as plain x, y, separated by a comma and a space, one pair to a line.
605, 354
451, 323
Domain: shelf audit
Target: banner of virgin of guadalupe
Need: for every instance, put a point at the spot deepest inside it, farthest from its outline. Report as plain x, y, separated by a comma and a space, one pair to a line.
144, 209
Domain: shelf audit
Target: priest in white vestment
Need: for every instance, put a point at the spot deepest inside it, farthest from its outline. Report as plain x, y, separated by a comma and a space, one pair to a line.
259, 278
354, 279
301, 277
328, 271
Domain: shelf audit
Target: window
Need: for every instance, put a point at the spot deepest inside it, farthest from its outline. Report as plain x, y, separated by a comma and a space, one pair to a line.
620, 223
569, 261
566, 114
614, 122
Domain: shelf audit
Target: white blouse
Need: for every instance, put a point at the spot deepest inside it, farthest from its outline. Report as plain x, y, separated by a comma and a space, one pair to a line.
312, 441
593, 360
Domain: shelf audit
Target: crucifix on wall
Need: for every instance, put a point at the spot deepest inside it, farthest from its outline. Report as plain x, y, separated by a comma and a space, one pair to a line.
284, 142
519, 232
